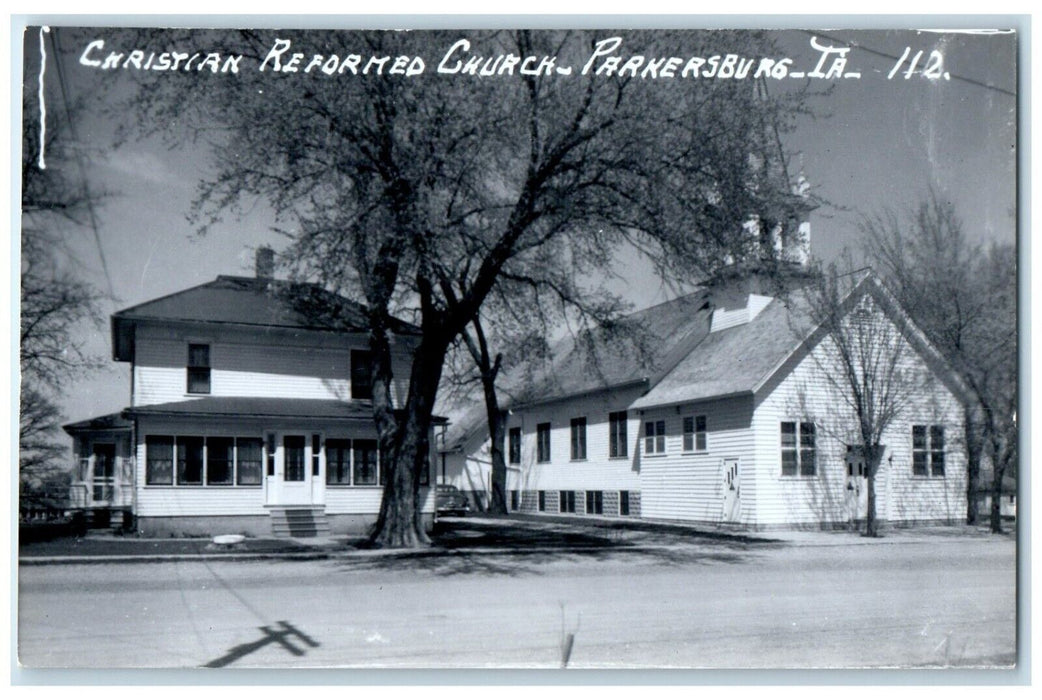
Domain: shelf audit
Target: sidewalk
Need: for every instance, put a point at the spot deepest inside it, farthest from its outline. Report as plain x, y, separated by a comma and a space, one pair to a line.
518, 535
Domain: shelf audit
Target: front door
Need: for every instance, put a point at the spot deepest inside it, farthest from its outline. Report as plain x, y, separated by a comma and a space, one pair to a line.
291, 482
856, 499
732, 492
104, 471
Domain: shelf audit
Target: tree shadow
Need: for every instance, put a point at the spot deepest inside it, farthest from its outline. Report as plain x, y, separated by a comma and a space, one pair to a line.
520, 549
281, 635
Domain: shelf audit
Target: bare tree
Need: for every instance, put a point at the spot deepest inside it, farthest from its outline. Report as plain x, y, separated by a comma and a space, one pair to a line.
864, 362
963, 297
420, 192
54, 300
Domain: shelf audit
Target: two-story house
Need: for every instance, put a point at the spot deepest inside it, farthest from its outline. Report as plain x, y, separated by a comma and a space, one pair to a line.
250, 412
720, 409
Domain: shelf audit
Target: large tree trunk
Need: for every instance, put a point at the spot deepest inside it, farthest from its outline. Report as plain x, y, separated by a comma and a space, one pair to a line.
489, 370
998, 467
400, 523
974, 448
497, 433
873, 457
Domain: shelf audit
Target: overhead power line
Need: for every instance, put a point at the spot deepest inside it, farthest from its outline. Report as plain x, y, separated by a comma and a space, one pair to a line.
79, 161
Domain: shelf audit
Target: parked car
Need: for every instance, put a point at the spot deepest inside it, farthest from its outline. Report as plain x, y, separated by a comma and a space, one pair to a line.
448, 500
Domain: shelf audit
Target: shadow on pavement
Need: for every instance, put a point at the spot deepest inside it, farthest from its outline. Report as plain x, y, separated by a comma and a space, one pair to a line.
511, 548
282, 635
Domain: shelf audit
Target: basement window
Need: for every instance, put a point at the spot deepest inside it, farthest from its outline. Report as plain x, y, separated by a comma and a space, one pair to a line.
594, 502
567, 502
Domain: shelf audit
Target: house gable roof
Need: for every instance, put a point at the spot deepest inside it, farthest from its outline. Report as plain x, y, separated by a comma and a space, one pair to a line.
640, 348
249, 301
111, 421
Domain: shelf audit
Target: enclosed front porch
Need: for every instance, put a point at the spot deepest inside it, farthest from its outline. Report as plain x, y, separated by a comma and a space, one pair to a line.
102, 480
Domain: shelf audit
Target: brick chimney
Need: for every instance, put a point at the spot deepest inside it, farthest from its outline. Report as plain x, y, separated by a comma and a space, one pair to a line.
265, 263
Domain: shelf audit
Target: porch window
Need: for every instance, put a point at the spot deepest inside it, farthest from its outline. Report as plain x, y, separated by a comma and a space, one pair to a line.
928, 450
655, 437
579, 438
542, 442
220, 460
617, 434
338, 462
361, 374
249, 458
198, 368
695, 434
294, 466
159, 460
515, 445
366, 462
189, 460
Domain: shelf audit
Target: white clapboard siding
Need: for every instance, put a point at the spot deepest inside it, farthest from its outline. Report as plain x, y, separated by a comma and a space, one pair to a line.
807, 393
471, 468
365, 500
680, 485
598, 471
258, 364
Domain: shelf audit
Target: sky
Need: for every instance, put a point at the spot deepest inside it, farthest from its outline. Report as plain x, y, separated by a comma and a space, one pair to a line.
875, 142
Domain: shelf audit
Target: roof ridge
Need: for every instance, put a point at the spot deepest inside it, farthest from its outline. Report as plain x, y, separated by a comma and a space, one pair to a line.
699, 290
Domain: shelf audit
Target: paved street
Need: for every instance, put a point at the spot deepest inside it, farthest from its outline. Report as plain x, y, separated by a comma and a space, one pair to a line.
718, 604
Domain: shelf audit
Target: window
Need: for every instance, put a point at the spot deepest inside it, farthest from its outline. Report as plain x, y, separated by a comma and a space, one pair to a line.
189, 460
198, 369
542, 501
928, 452
316, 451
293, 468
514, 500
220, 460
248, 455
798, 451
695, 434
159, 460
578, 438
338, 462
617, 434
361, 374
515, 445
624, 502
365, 462
567, 502
655, 437
594, 502
543, 442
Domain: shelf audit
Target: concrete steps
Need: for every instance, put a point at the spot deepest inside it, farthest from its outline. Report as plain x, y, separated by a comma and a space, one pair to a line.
299, 521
